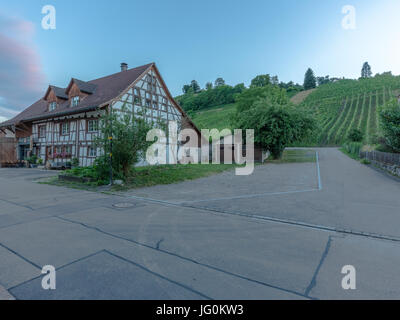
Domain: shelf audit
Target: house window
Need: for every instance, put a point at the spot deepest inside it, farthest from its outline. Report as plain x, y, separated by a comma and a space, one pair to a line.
74, 101
52, 106
64, 128
68, 150
92, 152
42, 131
148, 103
93, 125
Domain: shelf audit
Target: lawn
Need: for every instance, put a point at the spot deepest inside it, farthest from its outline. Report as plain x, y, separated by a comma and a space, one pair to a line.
153, 175
167, 174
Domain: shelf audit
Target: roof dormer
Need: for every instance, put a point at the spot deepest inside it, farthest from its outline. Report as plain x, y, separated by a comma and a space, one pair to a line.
54, 92
54, 96
78, 86
77, 90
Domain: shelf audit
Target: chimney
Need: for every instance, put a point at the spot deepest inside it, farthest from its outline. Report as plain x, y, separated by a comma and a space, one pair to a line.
124, 66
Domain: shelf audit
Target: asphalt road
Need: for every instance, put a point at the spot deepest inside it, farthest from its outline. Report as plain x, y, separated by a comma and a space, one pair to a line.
284, 232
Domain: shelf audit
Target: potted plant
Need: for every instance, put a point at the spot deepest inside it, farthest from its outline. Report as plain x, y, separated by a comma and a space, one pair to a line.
32, 161
40, 163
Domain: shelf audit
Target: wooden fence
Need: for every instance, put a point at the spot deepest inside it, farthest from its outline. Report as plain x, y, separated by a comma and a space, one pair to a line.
383, 157
7, 151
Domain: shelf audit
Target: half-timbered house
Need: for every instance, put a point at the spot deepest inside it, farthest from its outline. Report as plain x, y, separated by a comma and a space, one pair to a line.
65, 122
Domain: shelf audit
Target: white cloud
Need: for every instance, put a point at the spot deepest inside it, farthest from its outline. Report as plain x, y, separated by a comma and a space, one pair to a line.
21, 75
2, 119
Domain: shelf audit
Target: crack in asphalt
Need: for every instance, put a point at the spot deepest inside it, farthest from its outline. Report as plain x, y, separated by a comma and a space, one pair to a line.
17, 204
20, 256
270, 219
158, 243
120, 258
313, 282
185, 258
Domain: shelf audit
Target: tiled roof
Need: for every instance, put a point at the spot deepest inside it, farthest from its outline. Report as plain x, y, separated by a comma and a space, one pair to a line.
100, 91
86, 87
60, 92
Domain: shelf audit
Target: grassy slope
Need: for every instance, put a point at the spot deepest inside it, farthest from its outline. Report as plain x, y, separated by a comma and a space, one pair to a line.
338, 108
347, 104
301, 96
214, 118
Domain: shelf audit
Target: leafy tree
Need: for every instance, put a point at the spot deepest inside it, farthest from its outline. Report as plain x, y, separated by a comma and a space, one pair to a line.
128, 141
275, 80
195, 86
260, 81
309, 80
247, 98
219, 82
390, 123
275, 125
355, 135
366, 71
186, 88
323, 80
239, 88
219, 95
209, 85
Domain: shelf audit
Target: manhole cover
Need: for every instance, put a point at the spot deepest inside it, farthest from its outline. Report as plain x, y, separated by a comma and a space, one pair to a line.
123, 205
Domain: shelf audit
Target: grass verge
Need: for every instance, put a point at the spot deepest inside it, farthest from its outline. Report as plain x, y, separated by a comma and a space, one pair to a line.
296, 155
150, 176
349, 154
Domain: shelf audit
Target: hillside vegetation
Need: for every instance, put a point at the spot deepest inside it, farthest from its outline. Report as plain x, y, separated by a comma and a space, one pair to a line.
301, 96
339, 106
215, 118
347, 104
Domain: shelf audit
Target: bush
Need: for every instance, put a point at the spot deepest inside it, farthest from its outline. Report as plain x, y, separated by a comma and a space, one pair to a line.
32, 159
355, 135
275, 126
129, 142
75, 162
353, 148
94, 173
384, 148
390, 123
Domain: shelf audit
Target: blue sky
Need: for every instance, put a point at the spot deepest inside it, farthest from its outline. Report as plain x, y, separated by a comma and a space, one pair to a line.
188, 40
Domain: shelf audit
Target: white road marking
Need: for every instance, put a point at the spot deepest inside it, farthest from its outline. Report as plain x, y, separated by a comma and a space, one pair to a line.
318, 171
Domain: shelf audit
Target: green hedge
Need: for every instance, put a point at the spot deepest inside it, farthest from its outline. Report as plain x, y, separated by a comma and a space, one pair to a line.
353, 148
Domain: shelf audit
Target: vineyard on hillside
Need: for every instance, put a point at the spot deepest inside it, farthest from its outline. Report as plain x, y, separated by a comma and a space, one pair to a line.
347, 104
